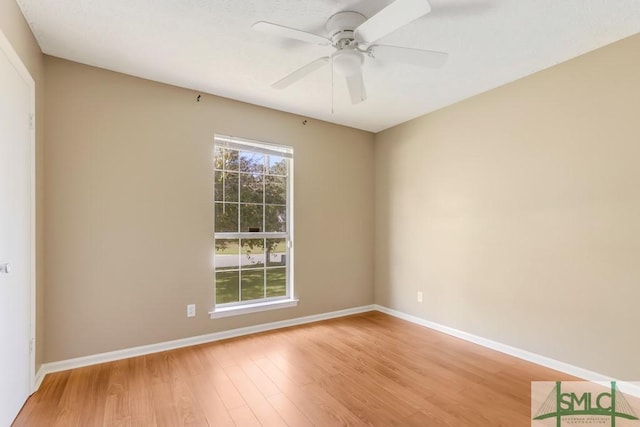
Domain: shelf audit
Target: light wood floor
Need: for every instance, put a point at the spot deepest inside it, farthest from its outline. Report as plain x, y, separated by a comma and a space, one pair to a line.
368, 369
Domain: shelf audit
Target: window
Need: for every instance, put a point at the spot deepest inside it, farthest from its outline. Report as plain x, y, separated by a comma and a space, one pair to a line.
253, 225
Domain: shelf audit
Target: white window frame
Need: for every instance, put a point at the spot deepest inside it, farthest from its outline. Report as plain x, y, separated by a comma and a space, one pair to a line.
252, 306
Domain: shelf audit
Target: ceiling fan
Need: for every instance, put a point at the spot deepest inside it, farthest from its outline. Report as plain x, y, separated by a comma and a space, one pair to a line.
352, 35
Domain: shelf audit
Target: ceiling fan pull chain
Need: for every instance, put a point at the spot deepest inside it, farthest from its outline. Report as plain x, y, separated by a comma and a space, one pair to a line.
332, 86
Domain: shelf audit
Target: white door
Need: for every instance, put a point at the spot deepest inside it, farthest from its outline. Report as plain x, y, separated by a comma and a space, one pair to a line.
15, 233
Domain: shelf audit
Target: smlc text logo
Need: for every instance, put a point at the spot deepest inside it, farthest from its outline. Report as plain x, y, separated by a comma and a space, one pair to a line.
582, 403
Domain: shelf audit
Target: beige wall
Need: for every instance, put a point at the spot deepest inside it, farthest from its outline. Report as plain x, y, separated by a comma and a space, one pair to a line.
517, 213
130, 217
15, 28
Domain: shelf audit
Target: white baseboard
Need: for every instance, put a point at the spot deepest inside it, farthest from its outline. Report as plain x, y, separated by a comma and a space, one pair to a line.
111, 356
502, 348
548, 362
37, 380
585, 374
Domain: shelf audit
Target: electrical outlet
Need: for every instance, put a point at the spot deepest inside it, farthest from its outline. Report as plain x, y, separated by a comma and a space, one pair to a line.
191, 310
419, 296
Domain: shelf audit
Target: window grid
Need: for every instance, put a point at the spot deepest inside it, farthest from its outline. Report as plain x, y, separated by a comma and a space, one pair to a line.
264, 172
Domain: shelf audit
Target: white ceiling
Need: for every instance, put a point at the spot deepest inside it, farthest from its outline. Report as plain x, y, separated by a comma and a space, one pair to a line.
208, 46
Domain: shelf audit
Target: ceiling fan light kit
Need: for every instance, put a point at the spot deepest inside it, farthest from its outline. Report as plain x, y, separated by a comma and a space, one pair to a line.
351, 34
347, 62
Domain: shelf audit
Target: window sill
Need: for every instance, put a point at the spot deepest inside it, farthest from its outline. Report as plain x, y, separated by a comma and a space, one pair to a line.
252, 308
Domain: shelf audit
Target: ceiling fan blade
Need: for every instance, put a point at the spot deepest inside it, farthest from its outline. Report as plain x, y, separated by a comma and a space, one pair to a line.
355, 83
300, 73
292, 33
396, 15
406, 55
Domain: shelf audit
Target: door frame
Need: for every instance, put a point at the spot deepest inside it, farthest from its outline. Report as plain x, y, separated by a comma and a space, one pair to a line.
22, 70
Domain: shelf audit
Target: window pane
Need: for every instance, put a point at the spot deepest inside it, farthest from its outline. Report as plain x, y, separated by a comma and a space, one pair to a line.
276, 190
252, 284
277, 165
252, 253
226, 186
218, 154
251, 188
250, 218
276, 218
276, 282
225, 159
218, 186
226, 218
276, 250
251, 162
227, 254
227, 289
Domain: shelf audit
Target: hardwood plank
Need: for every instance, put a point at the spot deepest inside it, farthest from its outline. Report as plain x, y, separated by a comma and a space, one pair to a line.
260, 407
420, 419
362, 403
140, 392
164, 405
261, 381
82, 401
277, 376
189, 411
227, 391
212, 405
243, 417
117, 410
321, 408
295, 371
288, 411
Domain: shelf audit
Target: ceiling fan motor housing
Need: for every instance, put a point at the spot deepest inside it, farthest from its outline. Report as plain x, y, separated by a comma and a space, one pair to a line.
341, 28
